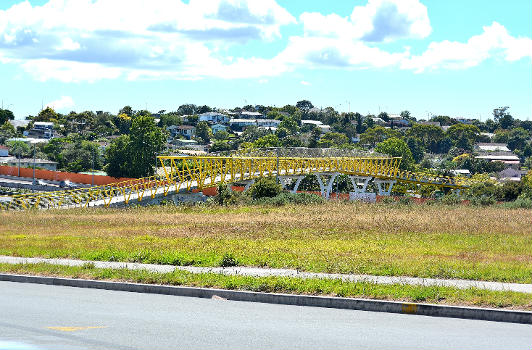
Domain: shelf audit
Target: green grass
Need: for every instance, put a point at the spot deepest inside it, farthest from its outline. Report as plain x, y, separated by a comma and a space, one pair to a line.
408, 293
413, 240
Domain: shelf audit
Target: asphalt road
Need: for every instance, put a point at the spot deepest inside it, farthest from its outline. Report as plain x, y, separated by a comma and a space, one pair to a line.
36, 316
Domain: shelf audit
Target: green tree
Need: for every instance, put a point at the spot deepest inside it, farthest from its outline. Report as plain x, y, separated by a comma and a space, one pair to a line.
315, 135
377, 134
517, 138
397, 147
430, 135
127, 110
47, 115
416, 147
203, 132
463, 135
304, 106
270, 140
289, 124
7, 131
5, 115
332, 139
221, 135
134, 156
19, 149
118, 157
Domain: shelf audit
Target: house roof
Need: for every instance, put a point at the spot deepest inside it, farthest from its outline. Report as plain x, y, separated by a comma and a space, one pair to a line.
186, 127
493, 147
243, 121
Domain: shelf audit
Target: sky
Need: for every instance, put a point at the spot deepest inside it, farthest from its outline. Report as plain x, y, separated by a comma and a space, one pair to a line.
431, 57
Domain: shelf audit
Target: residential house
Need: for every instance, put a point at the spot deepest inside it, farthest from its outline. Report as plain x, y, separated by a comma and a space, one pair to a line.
42, 130
250, 115
268, 123
240, 124
214, 118
217, 128
492, 147
188, 131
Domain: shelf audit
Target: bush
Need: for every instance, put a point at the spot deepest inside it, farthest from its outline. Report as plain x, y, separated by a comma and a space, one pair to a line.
451, 199
406, 200
482, 201
521, 202
228, 260
224, 195
265, 187
510, 191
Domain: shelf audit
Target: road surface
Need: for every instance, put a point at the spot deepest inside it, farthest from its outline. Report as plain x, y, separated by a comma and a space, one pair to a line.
37, 316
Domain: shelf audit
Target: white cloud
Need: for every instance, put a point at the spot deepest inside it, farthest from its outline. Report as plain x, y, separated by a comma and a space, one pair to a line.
62, 103
90, 40
76, 40
306, 83
378, 20
495, 41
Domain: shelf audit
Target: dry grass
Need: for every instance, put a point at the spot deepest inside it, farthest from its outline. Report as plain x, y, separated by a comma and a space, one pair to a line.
429, 240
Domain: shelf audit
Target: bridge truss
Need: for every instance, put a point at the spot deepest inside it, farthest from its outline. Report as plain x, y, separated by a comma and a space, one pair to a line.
188, 173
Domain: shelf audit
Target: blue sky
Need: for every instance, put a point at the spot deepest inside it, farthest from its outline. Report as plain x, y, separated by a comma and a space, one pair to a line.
457, 58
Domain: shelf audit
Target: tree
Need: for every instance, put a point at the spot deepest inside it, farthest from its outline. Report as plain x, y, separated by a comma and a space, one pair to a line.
500, 112
384, 116
416, 147
443, 120
187, 109
127, 110
5, 115
269, 140
407, 116
397, 147
19, 148
220, 146
430, 135
315, 135
377, 134
7, 131
147, 140
46, 115
123, 123
203, 132
517, 139
221, 135
332, 139
463, 135
304, 106
118, 157
134, 155
289, 124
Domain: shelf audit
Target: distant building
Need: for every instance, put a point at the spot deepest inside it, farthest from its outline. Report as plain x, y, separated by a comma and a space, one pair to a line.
42, 130
217, 128
28, 163
268, 123
492, 147
240, 124
4, 151
250, 115
187, 131
214, 118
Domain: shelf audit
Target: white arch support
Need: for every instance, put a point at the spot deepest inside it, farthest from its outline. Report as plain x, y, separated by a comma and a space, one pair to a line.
360, 183
326, 191
384, 186
286, 180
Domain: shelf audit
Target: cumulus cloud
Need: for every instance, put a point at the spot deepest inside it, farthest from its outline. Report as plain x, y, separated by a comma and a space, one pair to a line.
303, 82
377, 21
62, 103
76, 40
90, 40
495, 41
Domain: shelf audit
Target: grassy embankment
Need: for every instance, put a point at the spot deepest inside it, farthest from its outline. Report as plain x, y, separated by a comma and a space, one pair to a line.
427, 241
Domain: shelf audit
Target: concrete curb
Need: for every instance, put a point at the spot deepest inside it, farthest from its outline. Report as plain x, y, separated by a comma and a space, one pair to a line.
288, 299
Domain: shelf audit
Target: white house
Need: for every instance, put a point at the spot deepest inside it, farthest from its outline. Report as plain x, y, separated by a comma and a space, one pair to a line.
268, 123
250, 115
217, 128
240, 124
214, 118
492, 147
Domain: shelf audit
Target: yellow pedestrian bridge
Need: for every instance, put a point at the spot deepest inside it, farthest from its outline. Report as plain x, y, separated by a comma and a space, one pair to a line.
185, 174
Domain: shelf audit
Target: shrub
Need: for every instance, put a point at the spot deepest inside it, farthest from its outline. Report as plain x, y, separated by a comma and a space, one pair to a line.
223, 197
265, 187
510, 191
451, 199
405, 200
482, 200
228, 260
520, 202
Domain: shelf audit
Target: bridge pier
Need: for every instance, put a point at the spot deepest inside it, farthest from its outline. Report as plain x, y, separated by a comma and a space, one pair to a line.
285, 180
384, 187
357, 181
248, 184
326, 191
